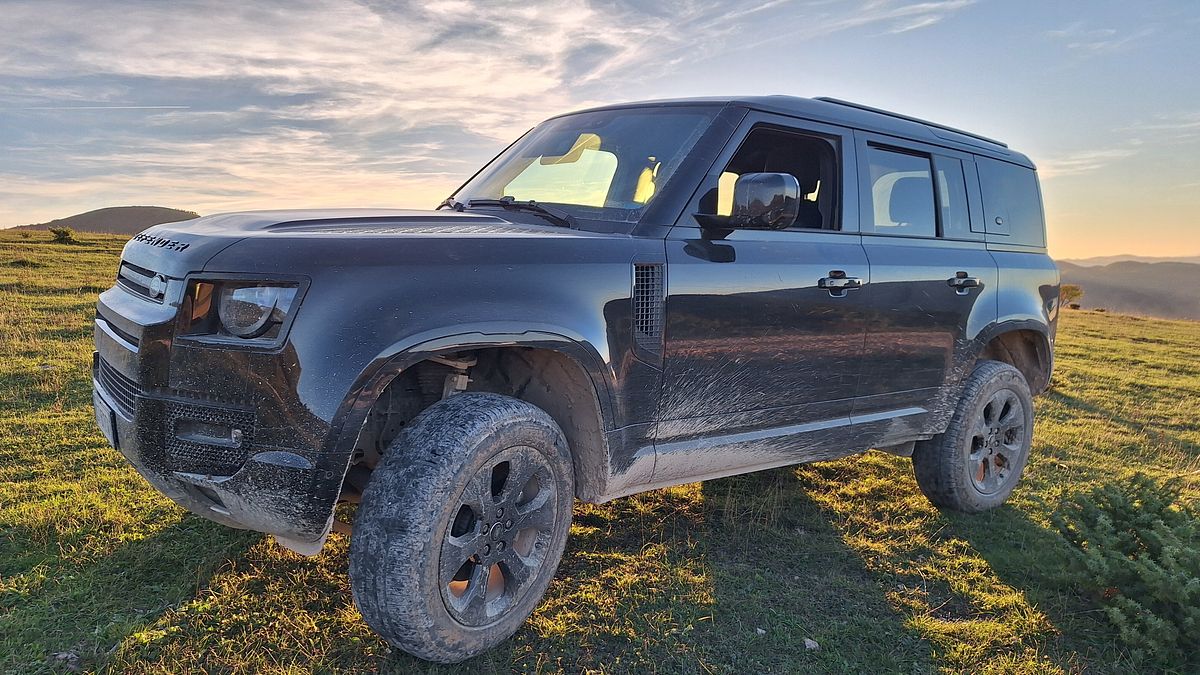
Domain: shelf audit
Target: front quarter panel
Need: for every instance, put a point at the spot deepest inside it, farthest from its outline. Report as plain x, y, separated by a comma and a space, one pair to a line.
371, 298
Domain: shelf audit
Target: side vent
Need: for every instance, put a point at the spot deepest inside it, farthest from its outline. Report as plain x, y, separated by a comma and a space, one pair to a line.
648, 306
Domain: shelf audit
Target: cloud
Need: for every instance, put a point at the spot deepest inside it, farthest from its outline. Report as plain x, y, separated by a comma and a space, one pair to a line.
212, 105
1179, 127
1163, 132
1081, 162
905, 17
1094, 41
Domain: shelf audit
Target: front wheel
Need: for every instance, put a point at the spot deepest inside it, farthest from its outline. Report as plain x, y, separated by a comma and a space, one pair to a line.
977, 462
462, 526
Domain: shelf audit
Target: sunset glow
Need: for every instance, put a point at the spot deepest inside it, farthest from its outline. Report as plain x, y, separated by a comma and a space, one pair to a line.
211, 106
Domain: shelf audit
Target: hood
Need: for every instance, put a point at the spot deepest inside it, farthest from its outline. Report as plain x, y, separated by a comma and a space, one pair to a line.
175, 249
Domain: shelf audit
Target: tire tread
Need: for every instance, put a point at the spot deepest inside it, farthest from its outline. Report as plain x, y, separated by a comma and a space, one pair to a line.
936, 462
397, 528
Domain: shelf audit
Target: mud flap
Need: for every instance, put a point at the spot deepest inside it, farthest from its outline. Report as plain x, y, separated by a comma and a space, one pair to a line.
306, 548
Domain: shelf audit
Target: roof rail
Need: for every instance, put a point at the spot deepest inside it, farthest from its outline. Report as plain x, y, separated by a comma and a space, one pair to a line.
918, 120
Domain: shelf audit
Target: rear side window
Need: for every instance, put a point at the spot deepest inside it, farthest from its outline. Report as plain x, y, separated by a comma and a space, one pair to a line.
902, 194
1012, 202
952, 198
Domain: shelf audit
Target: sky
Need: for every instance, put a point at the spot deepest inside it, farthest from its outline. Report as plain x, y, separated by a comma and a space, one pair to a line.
214, 106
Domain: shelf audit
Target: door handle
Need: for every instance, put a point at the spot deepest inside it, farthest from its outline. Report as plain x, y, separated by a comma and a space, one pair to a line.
962, 284
837, 283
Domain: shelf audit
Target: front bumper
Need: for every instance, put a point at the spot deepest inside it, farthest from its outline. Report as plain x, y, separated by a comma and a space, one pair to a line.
220, 431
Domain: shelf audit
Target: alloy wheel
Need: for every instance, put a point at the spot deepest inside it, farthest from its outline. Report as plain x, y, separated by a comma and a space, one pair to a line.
998, 441
499, 537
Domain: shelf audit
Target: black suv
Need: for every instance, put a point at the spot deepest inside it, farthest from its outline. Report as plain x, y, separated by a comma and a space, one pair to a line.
626, 298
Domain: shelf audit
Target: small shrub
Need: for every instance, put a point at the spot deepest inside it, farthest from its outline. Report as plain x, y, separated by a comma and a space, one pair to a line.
1138, 548
25, 234
1070, 293
63, 235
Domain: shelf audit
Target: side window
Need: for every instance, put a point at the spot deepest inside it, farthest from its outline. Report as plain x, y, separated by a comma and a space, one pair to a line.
812, 159
902, 195
1012, 202
952, 198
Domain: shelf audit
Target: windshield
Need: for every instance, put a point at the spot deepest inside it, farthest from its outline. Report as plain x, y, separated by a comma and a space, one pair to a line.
604, 165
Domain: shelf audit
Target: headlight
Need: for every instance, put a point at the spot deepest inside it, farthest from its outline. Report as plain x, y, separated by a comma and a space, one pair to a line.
250, 311
237, 311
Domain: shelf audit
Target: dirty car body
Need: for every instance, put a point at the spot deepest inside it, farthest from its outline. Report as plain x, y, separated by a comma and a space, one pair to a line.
670, 341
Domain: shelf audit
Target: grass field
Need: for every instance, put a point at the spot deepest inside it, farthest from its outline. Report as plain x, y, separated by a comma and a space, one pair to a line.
98, 572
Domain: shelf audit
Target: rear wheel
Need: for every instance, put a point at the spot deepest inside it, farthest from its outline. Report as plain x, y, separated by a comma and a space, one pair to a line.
462, 526
977, 462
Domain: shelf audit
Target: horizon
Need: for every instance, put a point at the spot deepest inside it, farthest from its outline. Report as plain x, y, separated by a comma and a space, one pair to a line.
213, 108
1164, 258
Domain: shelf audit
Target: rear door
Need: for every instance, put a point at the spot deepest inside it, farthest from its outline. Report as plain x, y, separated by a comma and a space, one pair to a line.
761, 362
933, 282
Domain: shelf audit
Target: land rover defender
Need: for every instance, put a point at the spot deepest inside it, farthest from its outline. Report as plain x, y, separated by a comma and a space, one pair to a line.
626, 298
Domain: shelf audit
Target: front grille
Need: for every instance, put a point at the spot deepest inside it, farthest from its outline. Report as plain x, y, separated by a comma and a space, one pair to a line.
648, 306
206, 458
123, 391
142, 281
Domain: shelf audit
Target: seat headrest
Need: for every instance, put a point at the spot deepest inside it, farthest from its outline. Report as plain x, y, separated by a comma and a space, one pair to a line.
805, 166
911, 200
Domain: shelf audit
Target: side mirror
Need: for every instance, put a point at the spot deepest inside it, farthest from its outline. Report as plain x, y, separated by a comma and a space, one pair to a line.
769, 200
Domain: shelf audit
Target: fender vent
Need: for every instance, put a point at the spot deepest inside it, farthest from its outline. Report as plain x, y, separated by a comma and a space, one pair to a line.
648, 306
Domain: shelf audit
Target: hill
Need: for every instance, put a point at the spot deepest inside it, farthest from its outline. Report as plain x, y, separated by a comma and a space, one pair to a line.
1109, 259
1163, 289
117, 219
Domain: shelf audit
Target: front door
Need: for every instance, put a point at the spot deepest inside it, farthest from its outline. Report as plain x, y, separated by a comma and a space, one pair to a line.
761, 361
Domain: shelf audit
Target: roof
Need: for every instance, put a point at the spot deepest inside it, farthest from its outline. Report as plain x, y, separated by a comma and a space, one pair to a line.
858, 116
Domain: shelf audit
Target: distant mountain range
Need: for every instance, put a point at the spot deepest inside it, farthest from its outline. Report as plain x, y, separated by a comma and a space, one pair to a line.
1109, 259
1162, 289
117, 219
1128, 284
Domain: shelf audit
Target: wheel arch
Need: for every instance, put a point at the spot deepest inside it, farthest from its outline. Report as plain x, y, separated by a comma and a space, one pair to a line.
561, 373
1026, 345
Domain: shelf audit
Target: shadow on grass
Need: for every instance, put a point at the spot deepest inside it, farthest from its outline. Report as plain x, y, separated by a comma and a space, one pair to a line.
88, 610
1035, 560
991, 588
726, 576
779, 564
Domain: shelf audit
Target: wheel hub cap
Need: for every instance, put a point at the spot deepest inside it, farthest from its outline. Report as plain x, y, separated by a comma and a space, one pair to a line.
998, 443
499, 537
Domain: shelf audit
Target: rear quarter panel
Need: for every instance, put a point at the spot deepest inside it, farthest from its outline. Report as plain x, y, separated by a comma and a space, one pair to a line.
1029, 285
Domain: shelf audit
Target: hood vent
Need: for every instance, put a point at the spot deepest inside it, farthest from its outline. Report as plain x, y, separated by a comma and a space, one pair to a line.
648, 306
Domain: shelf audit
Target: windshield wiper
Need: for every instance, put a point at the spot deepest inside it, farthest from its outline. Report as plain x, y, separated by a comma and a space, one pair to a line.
454, 205
553, 215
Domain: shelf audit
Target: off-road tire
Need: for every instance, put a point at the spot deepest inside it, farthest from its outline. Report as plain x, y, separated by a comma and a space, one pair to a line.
943, 465
411, 505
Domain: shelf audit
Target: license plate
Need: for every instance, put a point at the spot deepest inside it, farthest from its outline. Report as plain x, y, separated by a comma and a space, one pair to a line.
105, 419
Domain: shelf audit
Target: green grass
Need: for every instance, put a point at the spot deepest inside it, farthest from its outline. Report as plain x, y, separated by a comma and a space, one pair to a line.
98, 568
